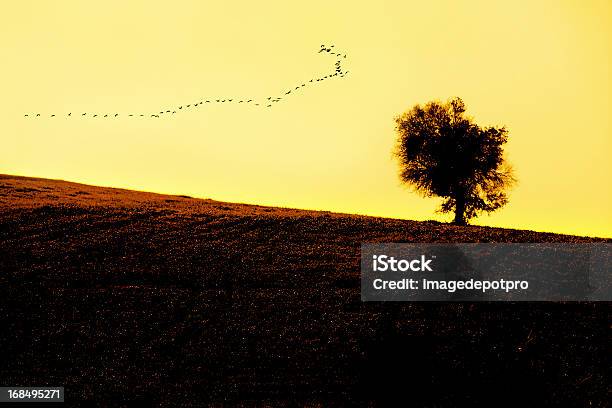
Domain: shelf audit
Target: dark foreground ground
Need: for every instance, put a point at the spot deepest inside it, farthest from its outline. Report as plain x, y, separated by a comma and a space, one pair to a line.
125, 297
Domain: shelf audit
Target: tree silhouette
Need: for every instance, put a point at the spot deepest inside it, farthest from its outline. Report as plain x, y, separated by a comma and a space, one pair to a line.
443, 153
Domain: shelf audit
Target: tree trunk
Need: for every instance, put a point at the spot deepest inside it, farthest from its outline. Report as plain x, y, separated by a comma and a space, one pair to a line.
459, 208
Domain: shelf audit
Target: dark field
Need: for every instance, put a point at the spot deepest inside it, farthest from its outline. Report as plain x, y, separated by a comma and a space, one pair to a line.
126, 297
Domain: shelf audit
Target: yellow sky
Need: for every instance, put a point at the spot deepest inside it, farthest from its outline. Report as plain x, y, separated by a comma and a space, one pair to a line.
542, 68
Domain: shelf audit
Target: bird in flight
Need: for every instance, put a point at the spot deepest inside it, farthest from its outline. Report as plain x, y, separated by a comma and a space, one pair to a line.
329, 49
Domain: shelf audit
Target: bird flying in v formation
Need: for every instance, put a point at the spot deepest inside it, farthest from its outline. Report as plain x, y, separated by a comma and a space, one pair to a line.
268, 102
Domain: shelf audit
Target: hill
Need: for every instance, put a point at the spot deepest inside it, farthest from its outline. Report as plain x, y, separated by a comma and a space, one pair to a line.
125, 296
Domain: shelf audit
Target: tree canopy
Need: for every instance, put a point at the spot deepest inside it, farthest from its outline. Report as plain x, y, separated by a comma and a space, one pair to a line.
443, 153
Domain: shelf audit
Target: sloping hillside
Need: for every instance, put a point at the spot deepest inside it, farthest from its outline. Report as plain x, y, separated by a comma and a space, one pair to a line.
129, 296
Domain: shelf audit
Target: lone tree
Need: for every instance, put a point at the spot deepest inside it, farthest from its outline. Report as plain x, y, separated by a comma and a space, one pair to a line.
443, 153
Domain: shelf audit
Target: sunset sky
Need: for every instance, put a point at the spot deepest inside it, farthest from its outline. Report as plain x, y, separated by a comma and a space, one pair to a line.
541, 68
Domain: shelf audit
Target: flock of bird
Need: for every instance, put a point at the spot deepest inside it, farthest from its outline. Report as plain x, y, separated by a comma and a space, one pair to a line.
268, 102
